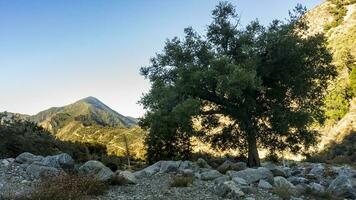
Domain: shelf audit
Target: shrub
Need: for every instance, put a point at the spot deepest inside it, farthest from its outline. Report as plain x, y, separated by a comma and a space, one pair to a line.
67, 187
181, 181
283, 192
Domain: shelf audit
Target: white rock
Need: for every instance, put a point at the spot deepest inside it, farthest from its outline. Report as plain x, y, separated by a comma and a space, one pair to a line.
229, 189
210, 175
264, 185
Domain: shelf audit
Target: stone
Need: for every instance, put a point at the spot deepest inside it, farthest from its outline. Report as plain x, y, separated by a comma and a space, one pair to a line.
316, 188
221, 179
202, 163
189, 165
253, 175
276, 170
5, 163
96, 169
281, 182
239, 181
28, 158
342, 186
37, 170
127, 176
317, 170
210, 175
228, 165
169, 166
229, 189
264, 185
297, 180
63, 161
150, 170
187, 172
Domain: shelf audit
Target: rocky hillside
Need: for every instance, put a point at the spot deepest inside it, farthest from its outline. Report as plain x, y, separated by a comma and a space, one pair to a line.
27, 177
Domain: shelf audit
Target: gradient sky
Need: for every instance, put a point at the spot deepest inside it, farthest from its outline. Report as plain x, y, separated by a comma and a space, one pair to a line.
54, 52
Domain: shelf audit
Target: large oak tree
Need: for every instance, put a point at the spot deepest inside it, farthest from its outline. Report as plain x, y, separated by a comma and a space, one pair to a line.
268, 81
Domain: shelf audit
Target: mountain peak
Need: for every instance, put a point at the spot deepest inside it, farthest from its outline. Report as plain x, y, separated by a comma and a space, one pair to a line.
90, 99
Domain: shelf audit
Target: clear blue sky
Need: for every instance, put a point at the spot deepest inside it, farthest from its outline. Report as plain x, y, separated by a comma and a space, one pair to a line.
54, 52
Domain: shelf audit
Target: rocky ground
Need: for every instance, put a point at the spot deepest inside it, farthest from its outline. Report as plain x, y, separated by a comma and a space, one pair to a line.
231, 180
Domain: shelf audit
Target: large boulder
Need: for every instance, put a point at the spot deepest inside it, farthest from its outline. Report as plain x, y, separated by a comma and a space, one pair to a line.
298, 180
28, 158
202, 163
149, 171
240, 181
253, 175
229, 189
210, 175
96, 169
127, 177
264, 185
189, 165
317, 170
228, 165
169, 166
282, 183
38, 170
276, 170
63, 161
342, 186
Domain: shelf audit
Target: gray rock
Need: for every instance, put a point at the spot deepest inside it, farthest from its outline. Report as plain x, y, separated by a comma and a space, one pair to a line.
189, 165
281, 182
317, 170
127, 176
63, 161
28, 158
202, 163
188, 172
169, 166
264, 185
239, 181
96, 169
229, 189
150, 170
276, 170
297, 180
253, 175
221, 179
342, 186
228, 165
210, 175
38, 170
316, 188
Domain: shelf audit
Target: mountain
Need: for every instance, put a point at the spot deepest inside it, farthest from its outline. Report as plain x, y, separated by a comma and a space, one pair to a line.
336, 19
90, 121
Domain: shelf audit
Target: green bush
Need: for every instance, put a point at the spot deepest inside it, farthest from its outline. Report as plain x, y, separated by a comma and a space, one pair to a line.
353, 81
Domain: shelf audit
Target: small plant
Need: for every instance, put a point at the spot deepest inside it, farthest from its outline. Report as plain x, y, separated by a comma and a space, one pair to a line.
67, 187
181, 181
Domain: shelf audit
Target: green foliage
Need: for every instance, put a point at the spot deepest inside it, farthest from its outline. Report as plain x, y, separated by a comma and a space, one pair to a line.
353, 81
268, 81
338, 11
337, 102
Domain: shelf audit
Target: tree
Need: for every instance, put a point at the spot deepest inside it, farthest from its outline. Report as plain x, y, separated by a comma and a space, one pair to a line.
268, 81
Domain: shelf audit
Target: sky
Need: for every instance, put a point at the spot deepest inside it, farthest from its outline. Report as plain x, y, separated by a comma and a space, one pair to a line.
53, 53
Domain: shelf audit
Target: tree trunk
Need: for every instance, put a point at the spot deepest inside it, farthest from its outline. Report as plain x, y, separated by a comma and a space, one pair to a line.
253, 157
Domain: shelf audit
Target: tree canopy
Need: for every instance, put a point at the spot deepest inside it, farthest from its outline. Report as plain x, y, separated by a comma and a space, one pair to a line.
268, 81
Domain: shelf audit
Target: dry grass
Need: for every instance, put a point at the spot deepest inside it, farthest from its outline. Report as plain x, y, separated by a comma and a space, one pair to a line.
73, 187
181, 181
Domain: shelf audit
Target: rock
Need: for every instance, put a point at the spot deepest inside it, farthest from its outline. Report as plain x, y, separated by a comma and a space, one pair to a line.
5, 162
316, 188
150, 170
37, 170
239, 181
63, 161
297, 180
169, 166
229, 189
189, 165
28, 158
202, 163
264, 185
210, 175
281, 182
127, 176
249, 198
96, 169
228, 165
317, 170
253, 175
221, 179
342, 186
188, 173
276, 170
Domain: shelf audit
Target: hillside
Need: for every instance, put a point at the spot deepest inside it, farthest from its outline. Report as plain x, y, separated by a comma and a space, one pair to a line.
337, 21
91, 121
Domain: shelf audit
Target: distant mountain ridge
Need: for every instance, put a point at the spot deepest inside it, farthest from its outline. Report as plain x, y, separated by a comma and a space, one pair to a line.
89, 111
